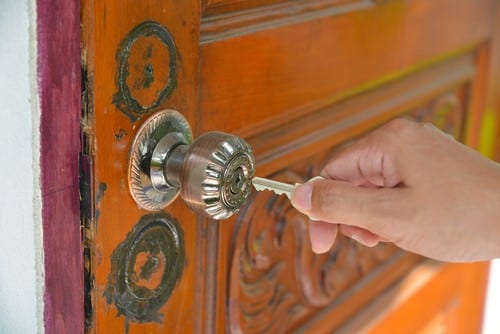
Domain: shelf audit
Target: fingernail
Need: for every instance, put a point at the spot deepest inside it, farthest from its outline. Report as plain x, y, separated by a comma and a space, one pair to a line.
301, 197
318, 249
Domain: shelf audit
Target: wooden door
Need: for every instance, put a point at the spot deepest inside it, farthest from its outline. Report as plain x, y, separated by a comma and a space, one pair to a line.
297, 79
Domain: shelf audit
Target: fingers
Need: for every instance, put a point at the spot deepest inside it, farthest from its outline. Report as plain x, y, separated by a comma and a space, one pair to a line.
340, 202
361, 235
322, 236
372, 159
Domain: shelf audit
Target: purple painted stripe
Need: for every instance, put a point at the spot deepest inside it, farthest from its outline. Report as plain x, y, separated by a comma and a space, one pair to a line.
58, 34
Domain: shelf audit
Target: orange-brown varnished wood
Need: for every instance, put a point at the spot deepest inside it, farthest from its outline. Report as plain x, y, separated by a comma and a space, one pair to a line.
337, 122
222, 19
108, 133
218, 7
493, 98
298, 67
297, 80
211, 7
351, 285
433, 298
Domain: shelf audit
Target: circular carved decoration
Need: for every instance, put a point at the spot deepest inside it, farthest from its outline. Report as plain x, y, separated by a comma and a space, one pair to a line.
147, 69
145, 268
275, 280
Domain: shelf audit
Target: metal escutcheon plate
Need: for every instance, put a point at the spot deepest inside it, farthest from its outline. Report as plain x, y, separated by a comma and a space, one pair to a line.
165, 123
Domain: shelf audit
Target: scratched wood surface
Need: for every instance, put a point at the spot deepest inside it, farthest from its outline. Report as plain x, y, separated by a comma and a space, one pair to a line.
144, 272
297, 80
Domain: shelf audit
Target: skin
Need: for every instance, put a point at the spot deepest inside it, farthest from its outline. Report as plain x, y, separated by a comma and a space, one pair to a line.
412, 185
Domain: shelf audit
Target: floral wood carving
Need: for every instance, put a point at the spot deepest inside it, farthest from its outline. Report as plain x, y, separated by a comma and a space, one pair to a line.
275, 279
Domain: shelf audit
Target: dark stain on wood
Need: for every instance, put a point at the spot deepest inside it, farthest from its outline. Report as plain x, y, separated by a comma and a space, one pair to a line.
100, 192
124, 99
89, 287
85, 187
87, 204
99, 195
119, 135
145, 268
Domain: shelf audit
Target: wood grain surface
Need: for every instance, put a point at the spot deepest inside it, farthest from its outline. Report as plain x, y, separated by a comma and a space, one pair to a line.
132, 256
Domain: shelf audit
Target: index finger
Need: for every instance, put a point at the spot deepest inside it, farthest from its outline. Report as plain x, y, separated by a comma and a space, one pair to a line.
367, 162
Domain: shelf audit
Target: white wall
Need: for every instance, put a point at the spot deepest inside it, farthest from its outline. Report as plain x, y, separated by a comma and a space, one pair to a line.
19, 171
492, 317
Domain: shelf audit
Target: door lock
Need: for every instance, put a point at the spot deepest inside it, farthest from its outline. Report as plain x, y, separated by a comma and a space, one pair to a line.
213, 174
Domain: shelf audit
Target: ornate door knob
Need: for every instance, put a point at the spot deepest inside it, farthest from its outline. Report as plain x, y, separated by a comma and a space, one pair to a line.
213, 174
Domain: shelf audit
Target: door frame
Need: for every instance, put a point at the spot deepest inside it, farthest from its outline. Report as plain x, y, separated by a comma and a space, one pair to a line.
59, 93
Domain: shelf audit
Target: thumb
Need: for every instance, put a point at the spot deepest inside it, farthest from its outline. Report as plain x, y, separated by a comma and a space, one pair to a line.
342, 203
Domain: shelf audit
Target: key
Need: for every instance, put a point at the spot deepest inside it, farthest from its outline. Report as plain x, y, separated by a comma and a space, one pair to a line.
279, 188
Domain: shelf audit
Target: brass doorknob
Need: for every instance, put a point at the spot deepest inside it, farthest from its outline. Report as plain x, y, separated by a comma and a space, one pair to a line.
213, 174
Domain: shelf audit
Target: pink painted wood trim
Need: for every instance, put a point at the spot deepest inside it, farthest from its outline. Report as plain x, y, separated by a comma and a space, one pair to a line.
58, 36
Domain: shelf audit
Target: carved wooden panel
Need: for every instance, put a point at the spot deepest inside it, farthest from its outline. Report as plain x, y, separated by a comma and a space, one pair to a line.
226, 18
446, 112
433, 297
320, 61
275, 281
220, 6
213, 7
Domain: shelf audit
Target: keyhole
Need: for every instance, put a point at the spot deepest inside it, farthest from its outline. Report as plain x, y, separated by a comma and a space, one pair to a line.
238, 181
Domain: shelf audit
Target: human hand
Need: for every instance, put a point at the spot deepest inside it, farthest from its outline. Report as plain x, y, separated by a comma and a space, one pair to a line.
412, 185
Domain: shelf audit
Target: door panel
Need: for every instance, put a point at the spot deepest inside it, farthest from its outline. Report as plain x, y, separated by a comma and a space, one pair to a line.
297, 80
335, 123
274, 282
431, 298
315, 63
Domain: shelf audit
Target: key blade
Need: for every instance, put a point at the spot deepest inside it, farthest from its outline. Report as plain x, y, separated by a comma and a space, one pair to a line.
279, 188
